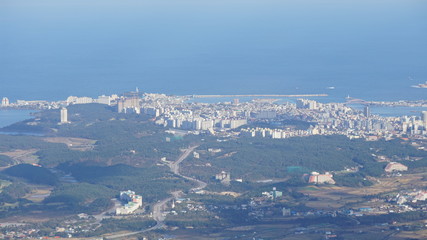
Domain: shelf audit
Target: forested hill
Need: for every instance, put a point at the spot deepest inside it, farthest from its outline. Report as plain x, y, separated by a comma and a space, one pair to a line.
257, 158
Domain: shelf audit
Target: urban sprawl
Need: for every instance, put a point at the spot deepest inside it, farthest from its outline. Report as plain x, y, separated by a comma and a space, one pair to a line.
181, 113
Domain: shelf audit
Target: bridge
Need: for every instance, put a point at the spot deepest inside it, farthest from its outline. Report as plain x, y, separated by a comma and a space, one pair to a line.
356, 101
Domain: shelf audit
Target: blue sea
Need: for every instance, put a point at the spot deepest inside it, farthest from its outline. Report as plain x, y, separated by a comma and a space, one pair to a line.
8, 117
367, 49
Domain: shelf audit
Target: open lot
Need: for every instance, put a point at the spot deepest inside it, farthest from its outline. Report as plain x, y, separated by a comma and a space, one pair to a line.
331, 197
80, 144
39, 193
410, 235
23, 156
294, 232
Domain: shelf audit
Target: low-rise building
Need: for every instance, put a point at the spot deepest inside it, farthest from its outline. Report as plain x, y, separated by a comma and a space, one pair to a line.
223, 177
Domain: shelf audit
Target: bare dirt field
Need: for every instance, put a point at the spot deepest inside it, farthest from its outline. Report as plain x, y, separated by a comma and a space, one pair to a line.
411, 235
38, 194
331, 197
33, 217
23, 156
80, 144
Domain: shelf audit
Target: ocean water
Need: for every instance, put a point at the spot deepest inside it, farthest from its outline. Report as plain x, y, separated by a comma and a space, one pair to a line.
368, 49
8, 117
388, 111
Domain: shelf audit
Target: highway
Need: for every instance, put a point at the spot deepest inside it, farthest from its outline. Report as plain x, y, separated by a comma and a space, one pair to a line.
159, 207
175, 169
175, 165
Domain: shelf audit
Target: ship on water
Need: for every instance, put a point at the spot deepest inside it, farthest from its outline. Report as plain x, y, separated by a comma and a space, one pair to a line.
421, 85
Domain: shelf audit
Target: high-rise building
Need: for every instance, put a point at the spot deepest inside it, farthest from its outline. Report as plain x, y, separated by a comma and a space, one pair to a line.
306, 104
5, 102
367, 111
424, 118
79, 100
64, 115
266, 114
104, 100
130, 101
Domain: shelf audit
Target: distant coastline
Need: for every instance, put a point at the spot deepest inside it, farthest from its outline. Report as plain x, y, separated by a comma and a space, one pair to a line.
260, 95
11, 116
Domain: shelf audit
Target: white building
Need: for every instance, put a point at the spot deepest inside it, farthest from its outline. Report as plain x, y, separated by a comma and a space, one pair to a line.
307, 104
64, 115
79, 100
5, 102
104, 100
424, 118
129, 104
133, 202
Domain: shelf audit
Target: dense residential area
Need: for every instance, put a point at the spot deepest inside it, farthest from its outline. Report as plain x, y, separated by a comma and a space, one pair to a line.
306, 117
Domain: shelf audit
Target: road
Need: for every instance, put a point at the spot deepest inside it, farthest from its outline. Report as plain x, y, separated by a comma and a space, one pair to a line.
175, 169
112, 210
161, 205
175, 165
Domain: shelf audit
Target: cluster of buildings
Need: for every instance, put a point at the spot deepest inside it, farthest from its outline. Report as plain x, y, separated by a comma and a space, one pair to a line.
43, 104
34, 104
327, 118
130, 102
327, 177
413, 126
273, 195
62, 229
281, 133
181, 112
186, 207
108, 100
410, 196
338, 118
224, 177
131, 200
333, 118
19, 234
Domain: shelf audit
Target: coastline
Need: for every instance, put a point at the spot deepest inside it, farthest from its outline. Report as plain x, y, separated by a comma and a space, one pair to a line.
11, 116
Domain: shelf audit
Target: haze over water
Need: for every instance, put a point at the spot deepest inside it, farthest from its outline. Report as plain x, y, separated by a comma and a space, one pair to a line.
374, 50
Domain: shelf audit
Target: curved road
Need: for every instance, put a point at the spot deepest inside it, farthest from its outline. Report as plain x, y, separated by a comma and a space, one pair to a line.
175, 169
161, 205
